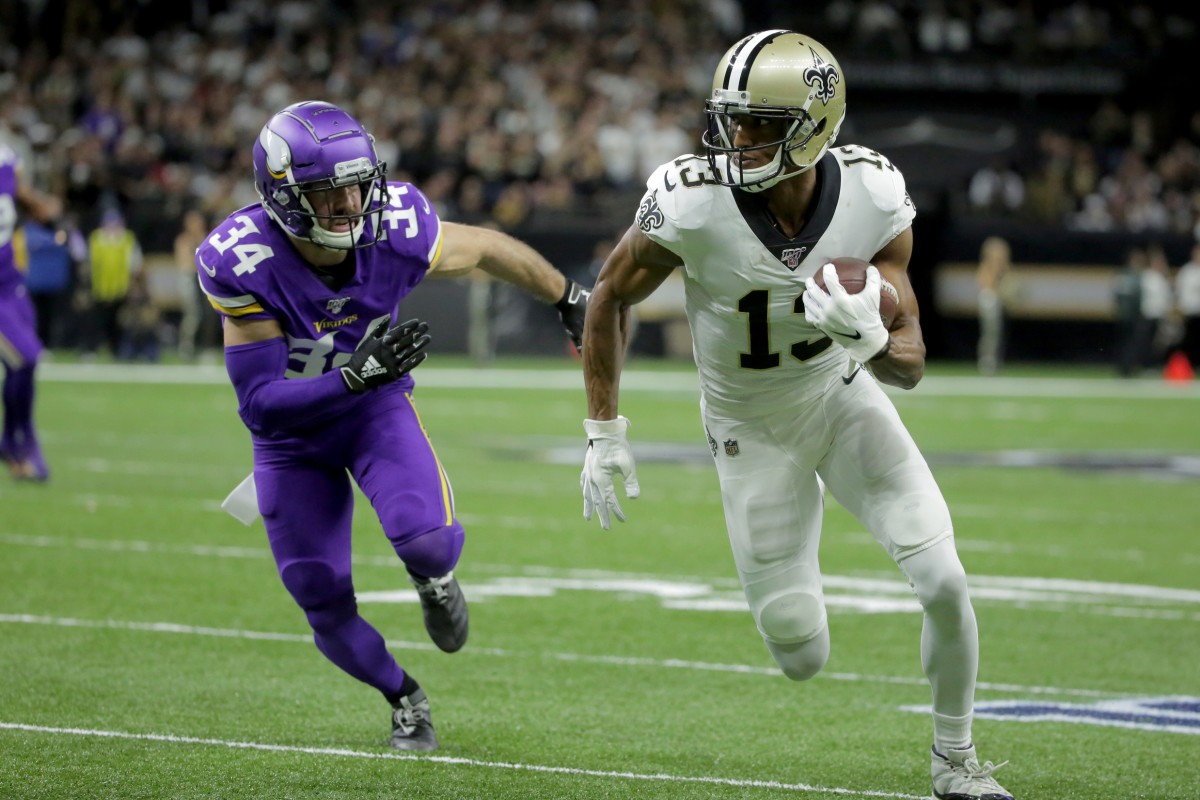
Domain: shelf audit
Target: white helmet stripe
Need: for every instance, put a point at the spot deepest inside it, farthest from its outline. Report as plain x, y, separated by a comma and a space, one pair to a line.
738, 73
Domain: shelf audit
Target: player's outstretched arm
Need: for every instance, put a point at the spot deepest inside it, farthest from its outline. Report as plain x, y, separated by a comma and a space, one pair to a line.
468, 247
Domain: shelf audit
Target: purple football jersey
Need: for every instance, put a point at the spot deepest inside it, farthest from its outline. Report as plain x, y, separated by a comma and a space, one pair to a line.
250, 270
10, 276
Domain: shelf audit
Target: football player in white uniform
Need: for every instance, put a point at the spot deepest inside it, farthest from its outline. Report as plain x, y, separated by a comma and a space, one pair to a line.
788, 370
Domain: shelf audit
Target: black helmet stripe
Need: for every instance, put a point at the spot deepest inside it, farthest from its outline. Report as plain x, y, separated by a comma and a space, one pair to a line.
737, 74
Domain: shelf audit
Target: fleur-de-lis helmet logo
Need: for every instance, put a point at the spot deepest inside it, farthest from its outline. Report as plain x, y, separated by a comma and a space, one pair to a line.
823, 77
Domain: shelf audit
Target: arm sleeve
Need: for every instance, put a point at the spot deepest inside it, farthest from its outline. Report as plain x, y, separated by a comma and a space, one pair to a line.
269, 403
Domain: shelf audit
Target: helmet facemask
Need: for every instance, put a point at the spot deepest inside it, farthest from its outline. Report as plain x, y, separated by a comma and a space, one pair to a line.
729, 110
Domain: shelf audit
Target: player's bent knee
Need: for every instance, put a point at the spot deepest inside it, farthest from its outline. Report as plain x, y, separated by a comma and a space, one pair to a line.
946, 590
938, 578
432, 553
804, 660
326, 597
791, 617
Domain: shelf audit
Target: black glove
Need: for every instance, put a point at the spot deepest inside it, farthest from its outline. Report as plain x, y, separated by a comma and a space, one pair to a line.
386, 355
572, 308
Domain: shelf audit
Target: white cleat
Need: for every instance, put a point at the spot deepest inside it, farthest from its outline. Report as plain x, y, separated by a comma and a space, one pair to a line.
958, 775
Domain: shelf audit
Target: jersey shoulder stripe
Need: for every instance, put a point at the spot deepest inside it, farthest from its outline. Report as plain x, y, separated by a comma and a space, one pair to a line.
435, 250
234, 306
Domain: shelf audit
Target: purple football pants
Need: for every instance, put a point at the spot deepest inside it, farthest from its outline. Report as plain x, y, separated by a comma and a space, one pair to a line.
19, 352
306, 500
19, 344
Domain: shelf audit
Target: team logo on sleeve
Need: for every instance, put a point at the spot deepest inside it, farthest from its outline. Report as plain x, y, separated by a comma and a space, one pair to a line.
336, 304
649, 215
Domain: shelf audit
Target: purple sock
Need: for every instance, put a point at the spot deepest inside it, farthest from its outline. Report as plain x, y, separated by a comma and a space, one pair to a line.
339, 631
359, 650
18, 411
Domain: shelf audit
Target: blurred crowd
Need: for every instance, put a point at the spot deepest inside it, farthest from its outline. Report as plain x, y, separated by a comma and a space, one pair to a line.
1125, 174
515, 112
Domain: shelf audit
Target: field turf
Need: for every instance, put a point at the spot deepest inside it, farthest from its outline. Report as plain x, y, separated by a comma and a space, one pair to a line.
148, 650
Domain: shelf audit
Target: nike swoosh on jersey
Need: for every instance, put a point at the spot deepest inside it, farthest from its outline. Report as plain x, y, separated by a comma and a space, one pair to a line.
847, 378
212, 271
855, 335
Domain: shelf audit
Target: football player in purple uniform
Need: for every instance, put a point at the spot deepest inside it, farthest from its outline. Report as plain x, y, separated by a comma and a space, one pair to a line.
308, 283
19, 344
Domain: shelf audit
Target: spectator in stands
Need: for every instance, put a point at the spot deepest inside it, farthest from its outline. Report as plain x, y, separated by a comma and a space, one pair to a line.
1187, 294
992, 277
54, 253
191, 300
115, 256
1156, 305
1093, 216
1127, 305
140, 319
997, 189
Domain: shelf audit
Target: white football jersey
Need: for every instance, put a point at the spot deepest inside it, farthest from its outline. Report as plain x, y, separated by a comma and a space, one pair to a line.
743, 278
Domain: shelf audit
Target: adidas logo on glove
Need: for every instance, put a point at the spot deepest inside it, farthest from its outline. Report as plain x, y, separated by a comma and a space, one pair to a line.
372, 368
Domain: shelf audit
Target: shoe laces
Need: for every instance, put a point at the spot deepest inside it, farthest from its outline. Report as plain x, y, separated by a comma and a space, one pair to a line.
407, 715
980, 772
434, 589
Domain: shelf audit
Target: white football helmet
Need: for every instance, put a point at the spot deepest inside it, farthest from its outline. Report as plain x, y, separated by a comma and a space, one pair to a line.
774, 74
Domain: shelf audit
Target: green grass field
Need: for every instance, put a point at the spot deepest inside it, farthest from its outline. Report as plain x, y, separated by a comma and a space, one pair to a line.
148, 650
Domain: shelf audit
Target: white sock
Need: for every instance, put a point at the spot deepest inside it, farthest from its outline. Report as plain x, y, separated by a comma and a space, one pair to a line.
951, 733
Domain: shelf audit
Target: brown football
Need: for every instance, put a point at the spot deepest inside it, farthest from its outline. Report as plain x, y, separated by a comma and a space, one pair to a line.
852, 274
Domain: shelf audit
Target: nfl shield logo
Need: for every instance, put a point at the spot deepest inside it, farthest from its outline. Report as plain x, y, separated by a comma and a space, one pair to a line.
731, 447
335, 305
791, 257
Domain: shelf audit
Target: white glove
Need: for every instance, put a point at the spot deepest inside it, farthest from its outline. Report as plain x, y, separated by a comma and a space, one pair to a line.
608, 454
851, 320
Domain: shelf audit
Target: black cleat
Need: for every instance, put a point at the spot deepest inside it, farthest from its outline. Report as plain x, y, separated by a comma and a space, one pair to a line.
412, 725
445, 611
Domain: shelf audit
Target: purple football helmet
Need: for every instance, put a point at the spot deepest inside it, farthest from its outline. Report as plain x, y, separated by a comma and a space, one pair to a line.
314, 146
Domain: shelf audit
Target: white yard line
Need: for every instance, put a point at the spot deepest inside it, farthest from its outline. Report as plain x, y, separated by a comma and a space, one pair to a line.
579, 658
638, 379
458, 761
239, 551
